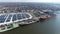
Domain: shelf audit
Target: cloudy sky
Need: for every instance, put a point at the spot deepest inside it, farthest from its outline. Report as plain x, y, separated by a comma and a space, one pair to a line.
30, 1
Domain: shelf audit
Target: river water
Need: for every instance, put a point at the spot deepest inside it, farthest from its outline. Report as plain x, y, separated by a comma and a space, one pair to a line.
51, 26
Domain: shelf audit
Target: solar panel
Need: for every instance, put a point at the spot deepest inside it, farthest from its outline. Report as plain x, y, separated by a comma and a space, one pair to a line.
23, 16
2, 18
9, 18
19, 16
14, 17
27, 16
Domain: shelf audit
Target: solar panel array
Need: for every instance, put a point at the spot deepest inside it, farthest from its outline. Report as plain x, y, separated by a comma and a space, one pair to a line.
14, 17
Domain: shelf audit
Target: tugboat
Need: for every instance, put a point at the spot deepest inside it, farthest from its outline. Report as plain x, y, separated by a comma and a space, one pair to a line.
12, 20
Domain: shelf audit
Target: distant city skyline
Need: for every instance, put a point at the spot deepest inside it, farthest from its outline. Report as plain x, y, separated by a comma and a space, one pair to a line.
55, 1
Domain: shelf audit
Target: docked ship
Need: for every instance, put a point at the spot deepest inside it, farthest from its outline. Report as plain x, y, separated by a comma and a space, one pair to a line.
10, 21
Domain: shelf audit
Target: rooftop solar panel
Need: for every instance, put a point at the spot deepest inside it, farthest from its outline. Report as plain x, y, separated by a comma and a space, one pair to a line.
23, 16
9, 18
27, 16
2, 18
14, 17
19, 16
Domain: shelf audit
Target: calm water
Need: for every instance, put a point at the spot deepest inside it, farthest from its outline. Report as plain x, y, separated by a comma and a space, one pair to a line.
52, 26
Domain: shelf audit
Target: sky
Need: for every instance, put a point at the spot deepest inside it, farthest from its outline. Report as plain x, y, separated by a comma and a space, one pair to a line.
55, 1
